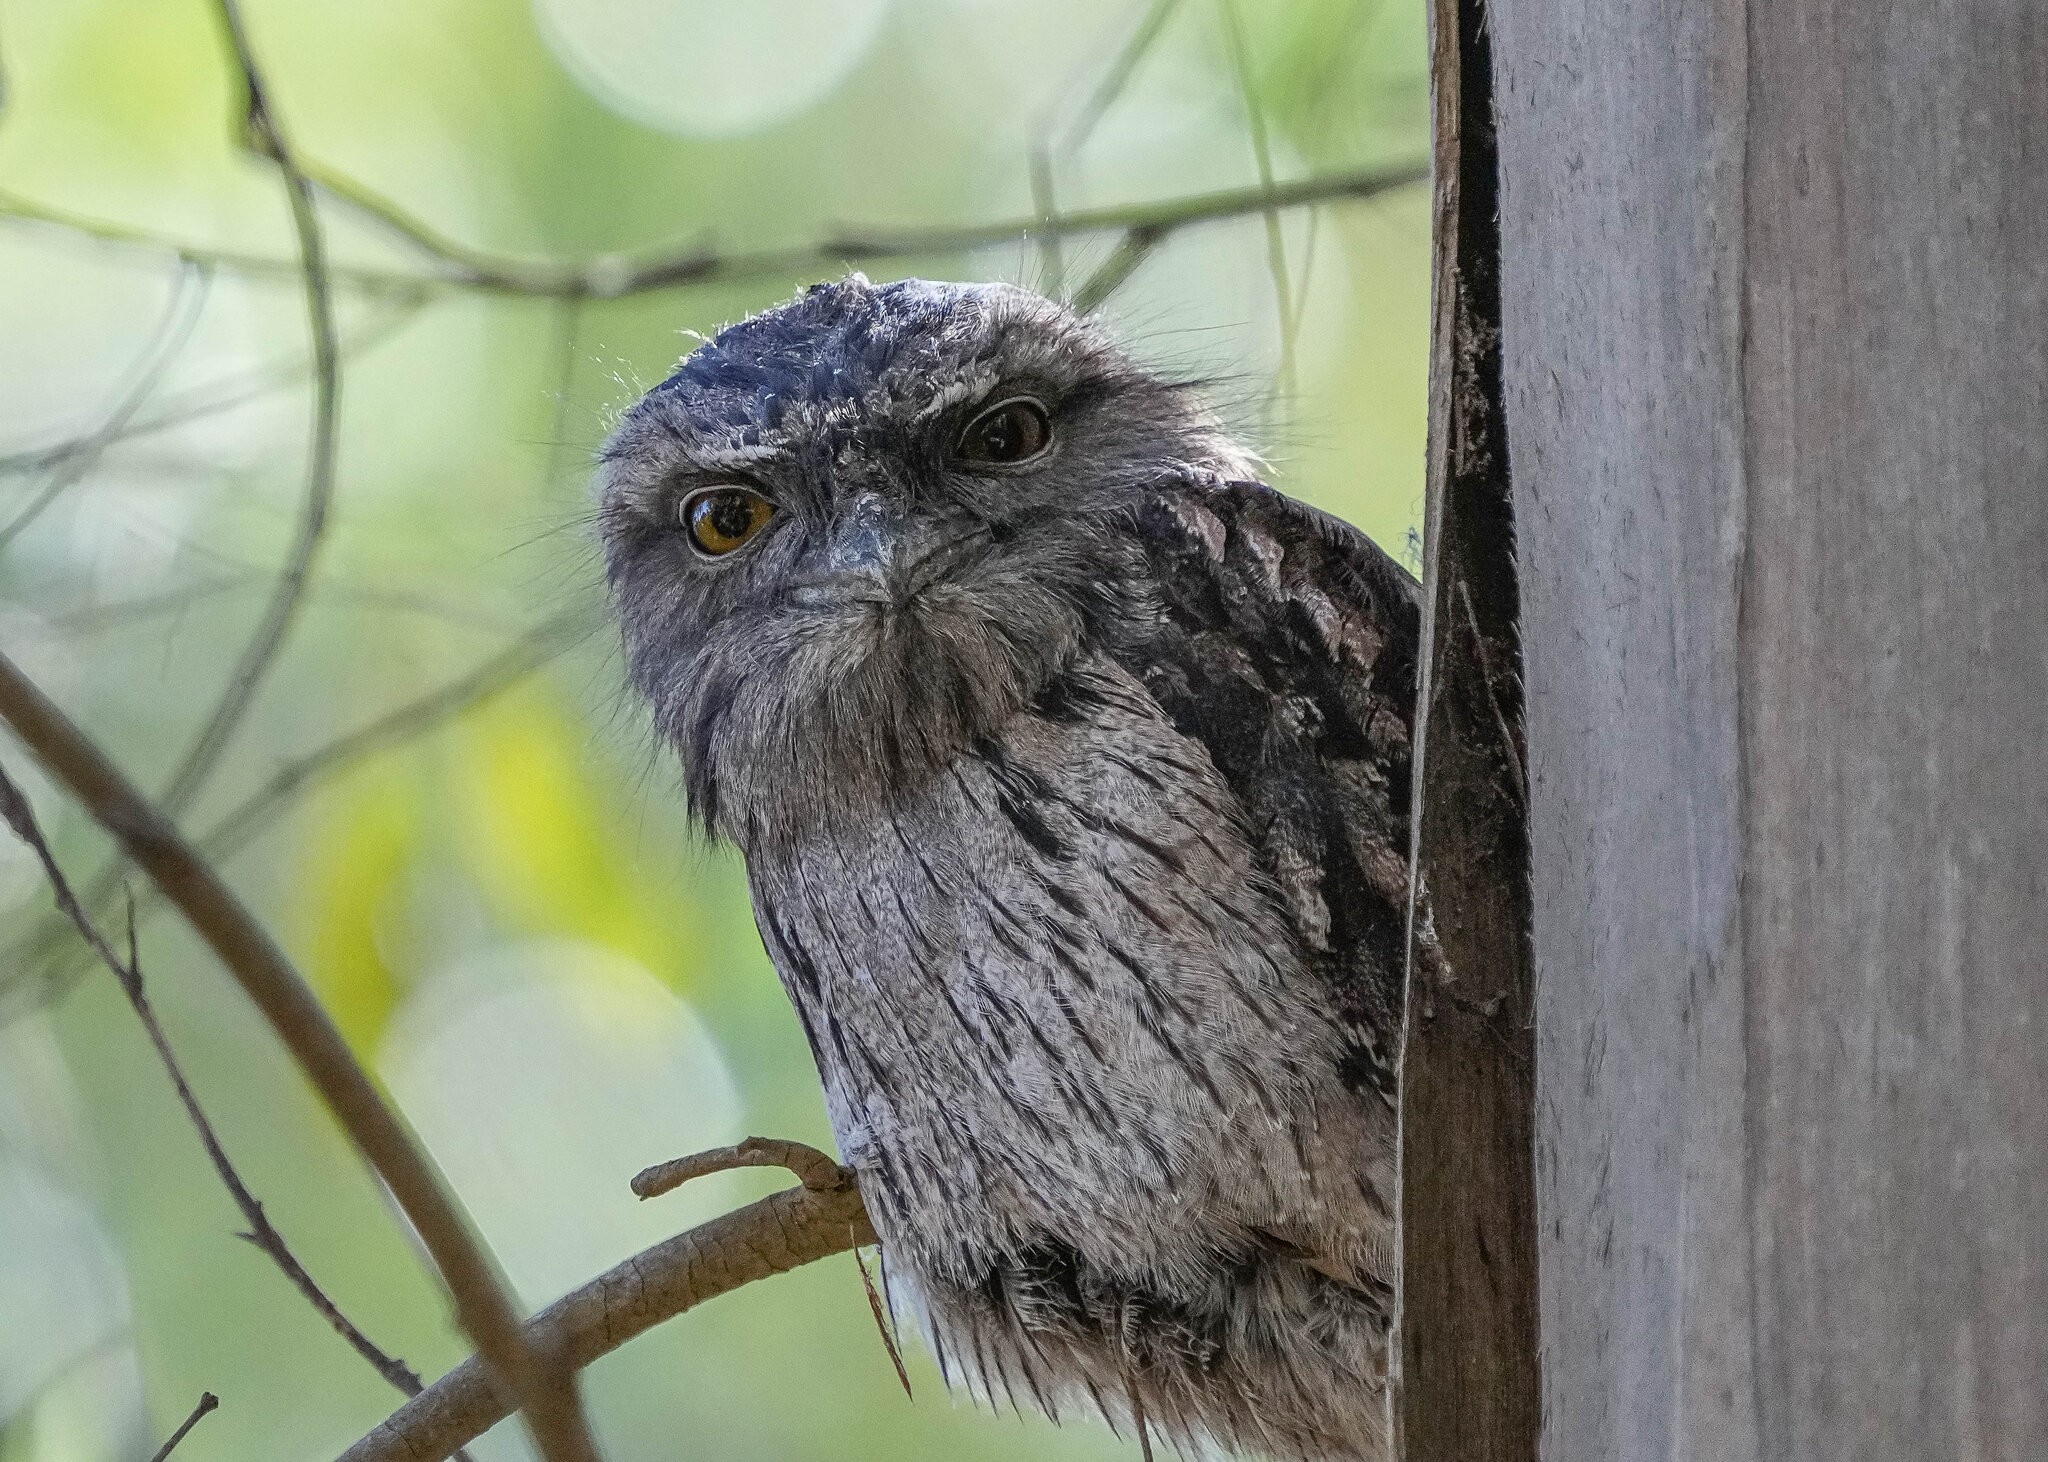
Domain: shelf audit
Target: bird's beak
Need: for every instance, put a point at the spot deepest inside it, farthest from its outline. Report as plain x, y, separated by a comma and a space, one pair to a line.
864, 560
880, 556
867, 540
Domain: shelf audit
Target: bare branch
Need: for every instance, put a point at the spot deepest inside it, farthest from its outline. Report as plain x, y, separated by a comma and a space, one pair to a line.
777, 1234
568, 331
15, 809
207, 1402
229, 261
1131, 251
613, 276
394, 728
1105, 92
1262, 153
95, 618
260, 653
1052, 264
295, 1013
70, 467
460, 263
548, 1396
237, 388
1047, 153
812, 1167
19, 816
1308, 264
295, 777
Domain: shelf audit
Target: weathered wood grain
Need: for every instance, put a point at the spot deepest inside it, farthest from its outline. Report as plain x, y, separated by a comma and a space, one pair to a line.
1776, 356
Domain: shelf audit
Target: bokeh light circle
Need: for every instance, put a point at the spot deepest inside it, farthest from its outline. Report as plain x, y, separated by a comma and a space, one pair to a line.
709, 68
542, 1074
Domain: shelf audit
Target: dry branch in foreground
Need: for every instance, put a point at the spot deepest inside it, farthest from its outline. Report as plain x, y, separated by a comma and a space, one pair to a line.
245, 947
16, 812
777, 1234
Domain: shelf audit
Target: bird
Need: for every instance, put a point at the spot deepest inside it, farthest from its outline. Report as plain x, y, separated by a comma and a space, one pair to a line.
1070, 767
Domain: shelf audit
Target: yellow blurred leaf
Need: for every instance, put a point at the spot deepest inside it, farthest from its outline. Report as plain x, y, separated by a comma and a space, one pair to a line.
356, 862
535, 837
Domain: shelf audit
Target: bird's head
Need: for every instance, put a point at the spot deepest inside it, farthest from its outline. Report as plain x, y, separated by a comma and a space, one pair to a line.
855, 532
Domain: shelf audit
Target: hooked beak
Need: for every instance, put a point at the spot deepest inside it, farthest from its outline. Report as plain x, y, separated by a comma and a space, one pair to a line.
876, 556
867, 539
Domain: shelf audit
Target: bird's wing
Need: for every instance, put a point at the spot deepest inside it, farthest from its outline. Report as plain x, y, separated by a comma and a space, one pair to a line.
1284, 641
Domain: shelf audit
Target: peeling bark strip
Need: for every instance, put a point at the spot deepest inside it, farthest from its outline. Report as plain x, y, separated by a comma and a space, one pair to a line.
1470, 1385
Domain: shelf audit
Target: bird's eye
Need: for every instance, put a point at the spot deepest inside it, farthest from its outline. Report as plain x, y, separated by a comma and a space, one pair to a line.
721, 519
1010, 431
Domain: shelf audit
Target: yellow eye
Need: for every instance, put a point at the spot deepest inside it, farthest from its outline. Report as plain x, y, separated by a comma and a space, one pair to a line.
721, 519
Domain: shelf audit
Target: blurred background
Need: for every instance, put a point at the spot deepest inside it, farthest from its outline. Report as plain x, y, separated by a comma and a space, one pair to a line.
437, 794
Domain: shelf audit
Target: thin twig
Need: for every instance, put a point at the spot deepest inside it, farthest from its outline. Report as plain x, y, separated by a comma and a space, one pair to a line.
14, 807
1308, 264
1131, 251
299, 775
207, 1402
568, 331
88, 619
263, 133
19, 816
238, 388
188, 303
309, 1033
462, 264
614, 276
1047, 152
26, 211
777, 1234
211, 398
816, 1170
1052, 267
93, 618
259, 654
1262, 154
394, 728
1105, 92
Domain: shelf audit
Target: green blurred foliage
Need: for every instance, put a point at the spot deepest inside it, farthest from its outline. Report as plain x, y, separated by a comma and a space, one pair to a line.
523, 875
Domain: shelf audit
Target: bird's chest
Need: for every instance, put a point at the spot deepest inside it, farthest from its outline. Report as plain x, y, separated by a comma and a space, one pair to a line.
1050, 989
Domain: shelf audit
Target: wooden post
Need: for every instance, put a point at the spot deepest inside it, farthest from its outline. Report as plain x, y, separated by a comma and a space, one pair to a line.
1469, 1356
1775, 352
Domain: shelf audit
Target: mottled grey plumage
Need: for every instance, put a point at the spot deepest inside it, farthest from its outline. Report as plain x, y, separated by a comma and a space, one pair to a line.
1073, 793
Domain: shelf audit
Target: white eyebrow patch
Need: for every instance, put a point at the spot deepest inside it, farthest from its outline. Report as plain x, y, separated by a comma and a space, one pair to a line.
723, 458
972, 383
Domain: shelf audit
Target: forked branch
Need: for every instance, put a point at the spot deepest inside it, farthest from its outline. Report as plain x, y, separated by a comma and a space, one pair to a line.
253, 666
781, 1232
613, 276
546, 1392
16, 812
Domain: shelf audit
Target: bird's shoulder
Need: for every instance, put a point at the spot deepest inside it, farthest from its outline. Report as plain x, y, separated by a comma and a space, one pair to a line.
1284, 641
1244, 560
